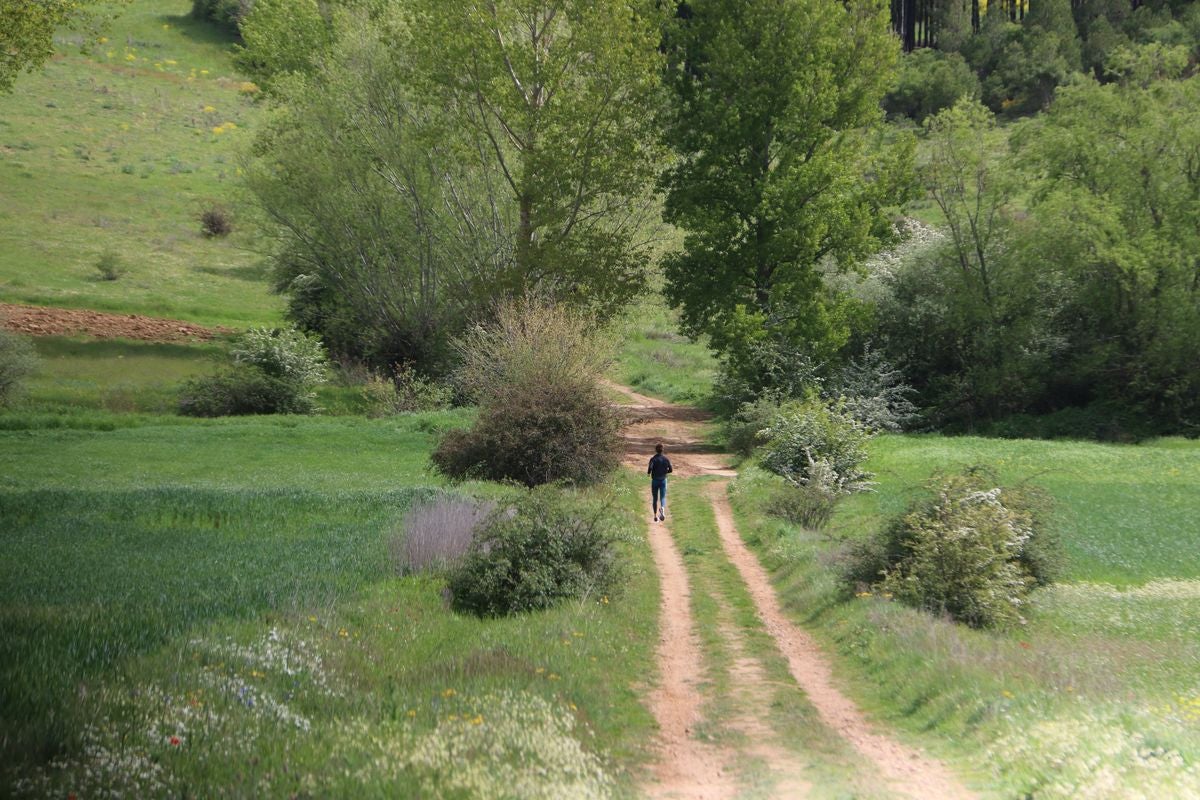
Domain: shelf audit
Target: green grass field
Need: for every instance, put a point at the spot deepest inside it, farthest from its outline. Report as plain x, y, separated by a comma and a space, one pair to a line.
655, 359
211, 605
118, 152
1096, 695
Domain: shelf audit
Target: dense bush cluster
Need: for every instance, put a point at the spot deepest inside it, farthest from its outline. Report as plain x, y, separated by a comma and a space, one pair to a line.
274, 371
1079, 297
534, 553
928, 81
543, 416
972, 550
1015, 65
18, 360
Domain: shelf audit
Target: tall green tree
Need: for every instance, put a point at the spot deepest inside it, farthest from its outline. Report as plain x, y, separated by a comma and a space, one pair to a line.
431, 157
1118, 211
560, 98
780, 166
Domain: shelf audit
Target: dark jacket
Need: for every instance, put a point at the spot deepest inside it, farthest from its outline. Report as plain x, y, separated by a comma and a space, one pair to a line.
660, 465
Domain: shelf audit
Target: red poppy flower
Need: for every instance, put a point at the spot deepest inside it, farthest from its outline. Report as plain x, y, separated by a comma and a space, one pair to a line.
175, 740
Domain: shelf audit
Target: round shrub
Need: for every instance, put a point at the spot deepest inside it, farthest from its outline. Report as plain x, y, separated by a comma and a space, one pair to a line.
536, 432
216, 221
930, 80
815, 439
18, 360
543, 416
973, 551
533, 554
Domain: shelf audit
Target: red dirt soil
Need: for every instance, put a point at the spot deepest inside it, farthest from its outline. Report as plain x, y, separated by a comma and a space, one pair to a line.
44, 321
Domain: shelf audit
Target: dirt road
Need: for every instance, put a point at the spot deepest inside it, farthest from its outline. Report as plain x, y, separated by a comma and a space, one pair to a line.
689, 766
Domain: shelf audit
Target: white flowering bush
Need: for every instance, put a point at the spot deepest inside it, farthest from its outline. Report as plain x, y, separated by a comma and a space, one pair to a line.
812, 439
274, 371
285, 353
973, 551
873, 391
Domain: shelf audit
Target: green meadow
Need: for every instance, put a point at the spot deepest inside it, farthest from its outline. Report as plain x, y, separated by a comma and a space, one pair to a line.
213, 605
208, 607
118, 151
1096, 695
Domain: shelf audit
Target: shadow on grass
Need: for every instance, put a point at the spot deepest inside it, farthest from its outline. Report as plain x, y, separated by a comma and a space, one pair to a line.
201, 31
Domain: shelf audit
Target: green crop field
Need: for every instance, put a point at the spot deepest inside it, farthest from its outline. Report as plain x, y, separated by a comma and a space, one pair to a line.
212, 604
1096, 695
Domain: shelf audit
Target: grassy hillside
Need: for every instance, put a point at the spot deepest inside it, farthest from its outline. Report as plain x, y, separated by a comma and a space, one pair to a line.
119, 152
1096, 696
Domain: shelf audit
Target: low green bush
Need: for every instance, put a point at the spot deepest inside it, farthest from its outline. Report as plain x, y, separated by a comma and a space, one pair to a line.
811, 505
972, 550
535, 553
744, 430
814, 439
110, 266
18, 360
240, 390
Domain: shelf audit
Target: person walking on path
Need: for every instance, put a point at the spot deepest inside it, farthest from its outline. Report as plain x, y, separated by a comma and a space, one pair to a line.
660, 467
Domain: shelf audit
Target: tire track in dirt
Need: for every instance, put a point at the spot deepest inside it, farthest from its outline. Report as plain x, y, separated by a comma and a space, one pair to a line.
906, 769
686, 767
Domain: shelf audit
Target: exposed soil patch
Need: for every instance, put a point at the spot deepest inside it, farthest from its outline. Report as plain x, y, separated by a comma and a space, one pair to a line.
40, 321
651, 421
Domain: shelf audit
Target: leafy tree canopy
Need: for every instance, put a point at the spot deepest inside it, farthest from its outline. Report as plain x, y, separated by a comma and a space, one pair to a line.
781, 163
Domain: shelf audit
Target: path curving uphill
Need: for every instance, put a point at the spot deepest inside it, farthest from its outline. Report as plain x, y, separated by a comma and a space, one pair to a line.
686, 766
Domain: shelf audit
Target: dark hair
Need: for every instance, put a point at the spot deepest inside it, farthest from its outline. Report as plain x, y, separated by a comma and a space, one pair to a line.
658, 447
